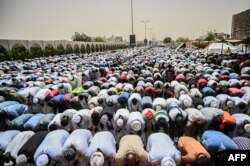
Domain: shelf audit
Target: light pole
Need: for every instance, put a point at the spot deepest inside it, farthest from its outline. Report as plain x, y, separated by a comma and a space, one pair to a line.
145, 40
150, 38
132, 36
132, 17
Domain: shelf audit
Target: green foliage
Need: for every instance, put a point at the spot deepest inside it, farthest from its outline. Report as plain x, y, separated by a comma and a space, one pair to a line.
19, 52
99, 39
83, 49
88, 49
4, 55
140, 44
167, 40
182, 40
92, 48
49, 50
213, 35
76, 49
60, 50
97, 49
36, 51
80, 37
68, 49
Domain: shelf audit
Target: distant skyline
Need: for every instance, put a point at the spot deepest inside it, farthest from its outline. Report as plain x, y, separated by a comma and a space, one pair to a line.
60, 19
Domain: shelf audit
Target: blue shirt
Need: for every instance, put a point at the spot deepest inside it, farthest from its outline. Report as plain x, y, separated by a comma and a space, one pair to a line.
216, 141
7, 103
21, 120
34, 120
58, 99
16, 110
6, 137
207, 91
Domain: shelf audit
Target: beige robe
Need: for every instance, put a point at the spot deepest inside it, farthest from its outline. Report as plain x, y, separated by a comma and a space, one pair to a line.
131, 143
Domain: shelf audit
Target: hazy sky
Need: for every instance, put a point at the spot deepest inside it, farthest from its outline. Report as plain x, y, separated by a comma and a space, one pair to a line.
59, 19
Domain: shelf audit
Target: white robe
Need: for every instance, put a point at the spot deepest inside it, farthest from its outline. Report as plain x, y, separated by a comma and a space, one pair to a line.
16, 144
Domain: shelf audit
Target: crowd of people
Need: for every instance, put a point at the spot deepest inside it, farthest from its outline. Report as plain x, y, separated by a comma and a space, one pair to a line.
133, 107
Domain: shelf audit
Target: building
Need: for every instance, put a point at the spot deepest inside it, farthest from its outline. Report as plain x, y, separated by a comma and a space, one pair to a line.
241, 25
114, 39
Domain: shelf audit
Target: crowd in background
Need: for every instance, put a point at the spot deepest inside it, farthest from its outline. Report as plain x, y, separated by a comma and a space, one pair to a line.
145, 106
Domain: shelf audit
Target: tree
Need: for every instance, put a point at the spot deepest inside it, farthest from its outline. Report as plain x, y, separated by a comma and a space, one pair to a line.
4, 54
182, 40
213, 35
76, 49
80, 37
88, 49
99, 39
60, 49
49, 50
69, 49
210, 36
35, 51
167, 40
19, 52
83, 49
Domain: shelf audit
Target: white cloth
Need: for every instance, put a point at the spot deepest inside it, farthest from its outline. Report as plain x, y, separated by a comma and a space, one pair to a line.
178, 89
52, 144
173, 102
235, 108
137, 106
210, 112
34, 90
40, 97
173, 112
83, 116
159, 103
6, 137
211, 101
186, 101
70, 113
80, 140
105, 141
160, 145
128, 88
16, 144
223, 99
239, 128
133, 117
76, 82
41, 94
194, 115
240, 118
124, 113
56, 120
93, 102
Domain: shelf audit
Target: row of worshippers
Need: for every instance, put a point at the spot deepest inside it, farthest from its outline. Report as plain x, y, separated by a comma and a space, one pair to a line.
57, 96
163, 115
81, 148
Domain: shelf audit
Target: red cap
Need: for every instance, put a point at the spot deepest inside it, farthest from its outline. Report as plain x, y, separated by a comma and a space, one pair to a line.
149, 115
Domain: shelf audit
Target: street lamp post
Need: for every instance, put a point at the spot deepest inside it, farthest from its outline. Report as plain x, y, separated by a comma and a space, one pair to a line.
132, 19
145, 40
150, 37
132, 36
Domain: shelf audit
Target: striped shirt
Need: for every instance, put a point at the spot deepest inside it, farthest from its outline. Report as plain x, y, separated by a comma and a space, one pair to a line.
242, 142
